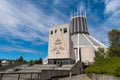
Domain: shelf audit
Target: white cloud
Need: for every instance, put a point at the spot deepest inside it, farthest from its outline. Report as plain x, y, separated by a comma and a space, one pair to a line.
56, 2
111, 20
25, 22
18, 49
82, 6
112, 5
112, 10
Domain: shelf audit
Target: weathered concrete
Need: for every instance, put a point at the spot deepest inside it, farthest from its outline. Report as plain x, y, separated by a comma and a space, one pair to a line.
77, 68
44, 72
76, 77
7, 67
60, 49
61, 71
20, 75
102, 77
48, 74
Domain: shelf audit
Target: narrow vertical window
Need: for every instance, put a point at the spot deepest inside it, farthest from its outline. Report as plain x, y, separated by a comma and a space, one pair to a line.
51, 32
60, 29
55, 31
65, 30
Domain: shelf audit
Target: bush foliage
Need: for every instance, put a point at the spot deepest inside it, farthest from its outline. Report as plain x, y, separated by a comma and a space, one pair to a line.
114, 39
109, 66
108, 62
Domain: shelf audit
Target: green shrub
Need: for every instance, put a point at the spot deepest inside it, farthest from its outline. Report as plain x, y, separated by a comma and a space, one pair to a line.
117, 71
0, 64
110, 66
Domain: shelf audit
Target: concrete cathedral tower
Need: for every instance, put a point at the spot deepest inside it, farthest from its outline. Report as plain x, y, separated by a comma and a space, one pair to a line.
84, 44
70, 43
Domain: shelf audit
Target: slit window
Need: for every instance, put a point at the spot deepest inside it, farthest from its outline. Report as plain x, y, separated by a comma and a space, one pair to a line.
51, 32
61, 30
65, 30
55, 31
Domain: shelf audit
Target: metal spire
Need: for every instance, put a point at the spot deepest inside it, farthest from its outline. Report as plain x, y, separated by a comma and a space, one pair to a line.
81, 12
78, 47
85, 13
77, 13
73, 13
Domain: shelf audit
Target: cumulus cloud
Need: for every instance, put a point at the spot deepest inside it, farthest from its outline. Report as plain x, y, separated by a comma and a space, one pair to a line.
112, 5
18, 49
23, 20
112, 10
26, 22
112, 20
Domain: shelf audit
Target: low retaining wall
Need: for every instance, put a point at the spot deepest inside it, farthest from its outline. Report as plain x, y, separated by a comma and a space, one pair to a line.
10, 66
102, 77
48, 74
76, 69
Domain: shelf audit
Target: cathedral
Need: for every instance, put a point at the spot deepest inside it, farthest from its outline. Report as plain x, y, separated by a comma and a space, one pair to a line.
70, 43
71, 49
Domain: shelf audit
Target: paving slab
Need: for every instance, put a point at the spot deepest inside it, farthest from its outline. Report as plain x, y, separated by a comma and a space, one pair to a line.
76, 77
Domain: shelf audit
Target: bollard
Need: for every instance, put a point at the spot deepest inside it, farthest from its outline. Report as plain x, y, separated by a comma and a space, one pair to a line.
18, 76
1, 76
70, 75
31, 76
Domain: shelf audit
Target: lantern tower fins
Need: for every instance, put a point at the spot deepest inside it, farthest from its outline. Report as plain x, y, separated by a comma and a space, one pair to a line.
78, 22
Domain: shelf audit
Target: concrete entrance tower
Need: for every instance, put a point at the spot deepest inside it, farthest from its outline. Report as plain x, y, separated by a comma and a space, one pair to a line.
60, 45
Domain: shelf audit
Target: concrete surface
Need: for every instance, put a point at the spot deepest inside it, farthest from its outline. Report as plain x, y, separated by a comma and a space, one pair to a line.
76, 77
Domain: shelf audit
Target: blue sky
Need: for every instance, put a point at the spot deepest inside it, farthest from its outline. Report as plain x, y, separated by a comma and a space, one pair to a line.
24, 24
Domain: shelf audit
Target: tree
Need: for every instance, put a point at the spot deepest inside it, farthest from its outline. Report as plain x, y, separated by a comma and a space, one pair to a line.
38, 61
10, 62
31, 62
21, 59
100, 52
0, 63
114, 39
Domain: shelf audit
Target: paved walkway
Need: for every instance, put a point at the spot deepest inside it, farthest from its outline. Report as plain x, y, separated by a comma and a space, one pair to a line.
77, 77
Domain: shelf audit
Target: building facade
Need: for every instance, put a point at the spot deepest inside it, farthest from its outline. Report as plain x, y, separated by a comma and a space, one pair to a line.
60, 47
70, 43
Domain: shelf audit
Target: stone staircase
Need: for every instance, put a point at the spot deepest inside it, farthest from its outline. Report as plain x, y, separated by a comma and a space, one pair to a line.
39, 72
